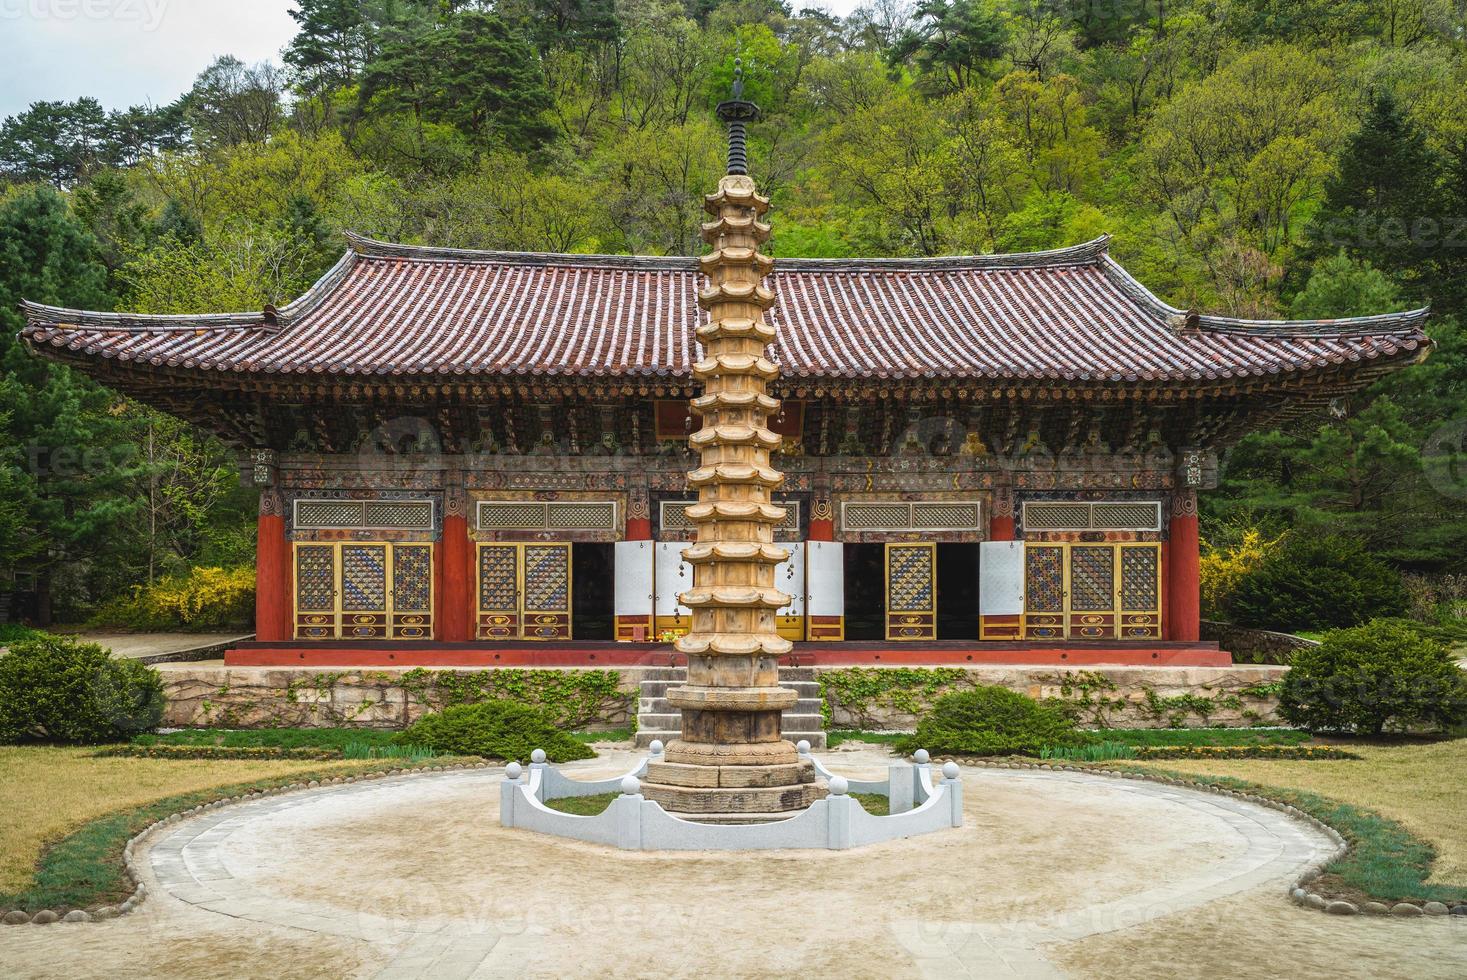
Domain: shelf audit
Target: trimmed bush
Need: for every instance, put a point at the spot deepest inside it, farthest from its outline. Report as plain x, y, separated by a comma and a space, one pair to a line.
993, 721
56, 689
494, 730
1316, 583
1384, 675
203, 599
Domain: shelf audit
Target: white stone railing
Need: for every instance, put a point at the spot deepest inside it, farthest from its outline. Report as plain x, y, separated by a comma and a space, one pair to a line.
917, 806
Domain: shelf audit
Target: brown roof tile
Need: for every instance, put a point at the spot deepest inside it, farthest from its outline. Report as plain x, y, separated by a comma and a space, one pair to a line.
404, 311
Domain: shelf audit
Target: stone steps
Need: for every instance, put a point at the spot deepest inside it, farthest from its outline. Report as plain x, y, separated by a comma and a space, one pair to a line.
656, 719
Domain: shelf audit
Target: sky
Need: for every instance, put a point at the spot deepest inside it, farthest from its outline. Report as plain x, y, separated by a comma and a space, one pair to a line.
138, 52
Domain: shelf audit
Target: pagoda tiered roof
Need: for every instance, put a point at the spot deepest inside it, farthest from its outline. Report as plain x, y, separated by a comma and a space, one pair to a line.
400, 313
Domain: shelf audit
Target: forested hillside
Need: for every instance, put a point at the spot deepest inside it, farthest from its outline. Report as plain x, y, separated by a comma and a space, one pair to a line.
1260, 158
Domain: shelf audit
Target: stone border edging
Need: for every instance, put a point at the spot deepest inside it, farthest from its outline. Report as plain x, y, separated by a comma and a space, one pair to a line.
139, 890
1298, 893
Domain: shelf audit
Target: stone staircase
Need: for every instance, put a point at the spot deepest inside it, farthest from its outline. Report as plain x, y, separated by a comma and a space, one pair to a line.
656, 719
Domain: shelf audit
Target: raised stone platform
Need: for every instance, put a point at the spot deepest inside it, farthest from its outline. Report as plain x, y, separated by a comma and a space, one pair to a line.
394, 653
214, 694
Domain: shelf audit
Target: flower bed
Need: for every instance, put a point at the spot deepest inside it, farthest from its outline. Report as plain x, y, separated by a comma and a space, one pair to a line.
220, 752
1305, 752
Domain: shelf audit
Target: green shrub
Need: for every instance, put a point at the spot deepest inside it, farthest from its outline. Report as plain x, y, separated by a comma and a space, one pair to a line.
1316, 583
57, 689
494, 730
1373, 677
203, 599
993, 721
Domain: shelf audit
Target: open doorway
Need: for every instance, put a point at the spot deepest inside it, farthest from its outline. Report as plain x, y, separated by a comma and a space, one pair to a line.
593, 578
957, 592
865, 574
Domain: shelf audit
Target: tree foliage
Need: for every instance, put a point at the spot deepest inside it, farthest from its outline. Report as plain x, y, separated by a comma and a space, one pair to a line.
1258, 158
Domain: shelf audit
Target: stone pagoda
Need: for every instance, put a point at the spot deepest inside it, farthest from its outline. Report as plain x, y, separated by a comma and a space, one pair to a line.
731, 763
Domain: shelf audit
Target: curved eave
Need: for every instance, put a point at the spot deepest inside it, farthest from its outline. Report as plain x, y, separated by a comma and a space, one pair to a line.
1336, 372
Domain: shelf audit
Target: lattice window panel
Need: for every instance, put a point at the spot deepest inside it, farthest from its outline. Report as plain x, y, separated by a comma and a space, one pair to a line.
1055, 516
538, 515
1044, 579
397, 514
597, 514
328, 513
1140, 515
498, 586
945, 515
895, 515
547, 578
315, 578
1139, 586
511, 514
407, 514
909, 579
1112, 515
412, 578
674, 516
1092, 578
364, 577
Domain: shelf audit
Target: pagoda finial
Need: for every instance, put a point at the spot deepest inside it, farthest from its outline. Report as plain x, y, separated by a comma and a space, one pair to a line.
735, 113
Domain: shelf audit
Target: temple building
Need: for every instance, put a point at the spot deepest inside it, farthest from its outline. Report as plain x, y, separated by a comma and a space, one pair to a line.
474, 457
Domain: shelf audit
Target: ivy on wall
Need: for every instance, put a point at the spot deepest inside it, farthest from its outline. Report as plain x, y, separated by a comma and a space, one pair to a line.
863, 690
572, 698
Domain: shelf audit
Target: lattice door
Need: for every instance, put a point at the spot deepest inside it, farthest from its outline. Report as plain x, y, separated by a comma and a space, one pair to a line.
315, 591
1140, 592
1092, 591
524, 591
547, 591
363, 591
1044, 591
499, 591
911, 591
412, 591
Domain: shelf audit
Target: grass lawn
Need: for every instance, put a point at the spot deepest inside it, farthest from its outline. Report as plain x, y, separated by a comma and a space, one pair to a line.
589, 806
285, 738
49, 793
1420, 785
1170, 737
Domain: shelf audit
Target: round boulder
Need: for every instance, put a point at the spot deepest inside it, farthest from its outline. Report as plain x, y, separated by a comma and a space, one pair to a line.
1435, 908
76, 915
1405, 909
16, 917
44, 918
1341, 908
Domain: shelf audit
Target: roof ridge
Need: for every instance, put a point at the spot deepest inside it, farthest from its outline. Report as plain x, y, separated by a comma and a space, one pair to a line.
1084, 253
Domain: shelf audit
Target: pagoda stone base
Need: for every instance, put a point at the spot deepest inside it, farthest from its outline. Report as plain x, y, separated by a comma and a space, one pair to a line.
747, 793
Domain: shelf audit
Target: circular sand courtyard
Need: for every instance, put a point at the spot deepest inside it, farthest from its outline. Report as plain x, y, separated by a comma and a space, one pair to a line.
1053, 874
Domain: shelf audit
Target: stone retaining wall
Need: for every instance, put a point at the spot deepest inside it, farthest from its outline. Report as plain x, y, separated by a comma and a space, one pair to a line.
1130, 697
1255, 646
1115, 697
273, 697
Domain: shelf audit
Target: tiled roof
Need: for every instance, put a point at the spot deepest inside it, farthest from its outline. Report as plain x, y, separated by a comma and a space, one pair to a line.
402, 311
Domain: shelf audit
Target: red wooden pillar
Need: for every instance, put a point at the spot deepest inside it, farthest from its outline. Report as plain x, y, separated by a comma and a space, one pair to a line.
1001, 521
1183, 578
272, 570
456, 572
822, 517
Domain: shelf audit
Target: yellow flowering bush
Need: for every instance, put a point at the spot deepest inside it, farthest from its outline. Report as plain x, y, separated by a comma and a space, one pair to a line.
203, 598
1223, 566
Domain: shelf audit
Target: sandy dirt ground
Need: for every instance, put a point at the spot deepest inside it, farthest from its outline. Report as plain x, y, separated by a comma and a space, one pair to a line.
1041, 866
